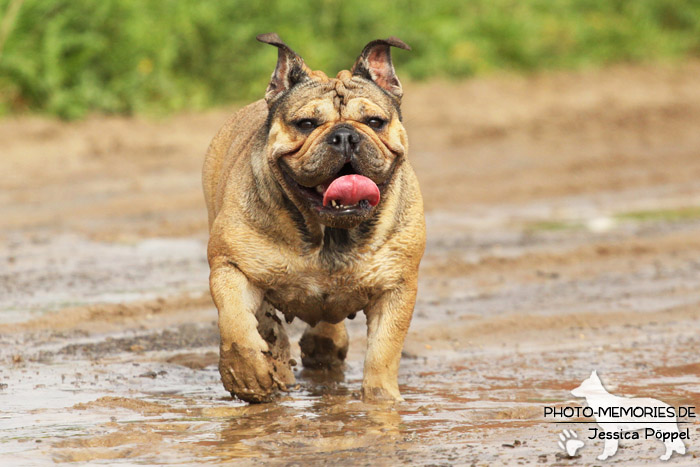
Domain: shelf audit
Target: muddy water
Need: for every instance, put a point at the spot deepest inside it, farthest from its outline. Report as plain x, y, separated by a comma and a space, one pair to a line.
561, 246
488, 350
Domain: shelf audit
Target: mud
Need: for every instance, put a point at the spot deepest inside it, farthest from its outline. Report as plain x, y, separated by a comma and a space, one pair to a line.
563, 219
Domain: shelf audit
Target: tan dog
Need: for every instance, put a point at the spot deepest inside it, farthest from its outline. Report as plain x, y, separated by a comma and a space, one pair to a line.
314, 211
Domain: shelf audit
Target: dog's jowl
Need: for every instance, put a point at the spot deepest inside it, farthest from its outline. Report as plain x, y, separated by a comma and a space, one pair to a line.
316, 214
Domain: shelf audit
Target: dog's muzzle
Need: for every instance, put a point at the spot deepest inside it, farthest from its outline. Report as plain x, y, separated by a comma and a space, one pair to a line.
344, 139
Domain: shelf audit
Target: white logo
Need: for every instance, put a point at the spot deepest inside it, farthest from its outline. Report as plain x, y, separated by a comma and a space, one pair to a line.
622, 418
569, 442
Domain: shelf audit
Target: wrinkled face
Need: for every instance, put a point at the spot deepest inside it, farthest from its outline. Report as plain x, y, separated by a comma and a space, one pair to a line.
334, 144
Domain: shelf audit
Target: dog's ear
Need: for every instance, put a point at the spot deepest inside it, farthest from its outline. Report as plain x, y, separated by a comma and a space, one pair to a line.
290, 70
374, 64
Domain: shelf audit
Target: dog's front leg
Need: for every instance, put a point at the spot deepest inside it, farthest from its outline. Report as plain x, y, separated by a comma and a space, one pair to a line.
609, 449
244, 362
388, 319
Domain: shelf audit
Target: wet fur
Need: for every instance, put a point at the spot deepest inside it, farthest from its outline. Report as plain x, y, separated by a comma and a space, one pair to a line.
268, 248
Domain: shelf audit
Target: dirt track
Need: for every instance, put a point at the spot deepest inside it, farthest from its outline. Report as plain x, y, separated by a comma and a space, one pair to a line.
563, 236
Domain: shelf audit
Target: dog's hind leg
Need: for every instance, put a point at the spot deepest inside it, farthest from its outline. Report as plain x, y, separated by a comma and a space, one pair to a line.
675, 445
679, 446
324, 346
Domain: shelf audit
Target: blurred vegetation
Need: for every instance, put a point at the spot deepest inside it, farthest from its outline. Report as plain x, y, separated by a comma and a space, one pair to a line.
70, 57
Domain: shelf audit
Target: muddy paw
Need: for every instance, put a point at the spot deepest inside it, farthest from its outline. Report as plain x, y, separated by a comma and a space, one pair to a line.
380, 394
249, 374
324, 347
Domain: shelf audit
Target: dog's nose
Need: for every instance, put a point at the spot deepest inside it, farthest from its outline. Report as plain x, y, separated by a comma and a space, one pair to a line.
344, 139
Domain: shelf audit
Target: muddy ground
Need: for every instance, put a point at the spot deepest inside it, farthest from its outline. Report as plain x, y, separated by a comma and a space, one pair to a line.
563, 217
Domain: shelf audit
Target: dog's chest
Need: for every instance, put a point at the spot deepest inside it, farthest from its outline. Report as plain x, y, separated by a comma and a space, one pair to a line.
314, 296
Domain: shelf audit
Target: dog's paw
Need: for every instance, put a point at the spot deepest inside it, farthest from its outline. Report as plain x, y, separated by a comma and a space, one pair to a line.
249, 374
320, 352
569, 442
324, 346
380, 394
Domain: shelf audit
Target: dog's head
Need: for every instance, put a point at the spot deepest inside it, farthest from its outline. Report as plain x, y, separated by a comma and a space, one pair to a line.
591, 386
334, 143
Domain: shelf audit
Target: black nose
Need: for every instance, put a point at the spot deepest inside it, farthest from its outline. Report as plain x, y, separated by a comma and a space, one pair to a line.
344, 139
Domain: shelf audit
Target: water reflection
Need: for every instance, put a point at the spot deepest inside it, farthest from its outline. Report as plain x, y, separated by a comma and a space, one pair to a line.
323, 416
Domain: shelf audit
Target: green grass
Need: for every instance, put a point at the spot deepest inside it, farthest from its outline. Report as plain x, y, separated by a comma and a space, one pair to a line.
662, 215
70, 57
553, 226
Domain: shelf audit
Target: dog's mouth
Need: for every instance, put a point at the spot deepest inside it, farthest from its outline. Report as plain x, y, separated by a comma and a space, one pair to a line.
347, 193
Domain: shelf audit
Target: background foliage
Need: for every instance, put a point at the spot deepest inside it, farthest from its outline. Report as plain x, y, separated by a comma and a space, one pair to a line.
70, 57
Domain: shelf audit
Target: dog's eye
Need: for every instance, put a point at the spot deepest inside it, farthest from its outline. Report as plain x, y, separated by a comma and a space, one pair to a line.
375, 123
306, 124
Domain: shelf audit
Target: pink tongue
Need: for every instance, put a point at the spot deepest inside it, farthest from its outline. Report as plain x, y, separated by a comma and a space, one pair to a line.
351, 189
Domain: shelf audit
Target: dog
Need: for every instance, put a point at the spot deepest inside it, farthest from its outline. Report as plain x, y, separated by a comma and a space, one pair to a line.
315, 213
612, 425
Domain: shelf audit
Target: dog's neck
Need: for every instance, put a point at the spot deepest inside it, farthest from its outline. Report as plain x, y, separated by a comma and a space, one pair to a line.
331, 243
599, 399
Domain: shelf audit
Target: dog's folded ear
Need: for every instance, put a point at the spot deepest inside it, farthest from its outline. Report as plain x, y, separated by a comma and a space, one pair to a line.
374, 64
290, 70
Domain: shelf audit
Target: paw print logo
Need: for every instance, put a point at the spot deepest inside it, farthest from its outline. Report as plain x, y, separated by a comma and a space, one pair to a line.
569, 442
